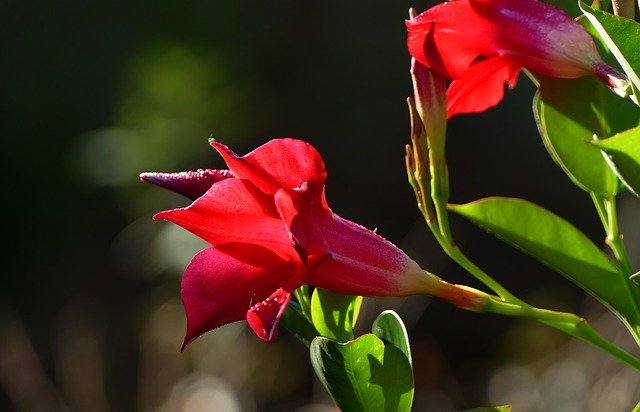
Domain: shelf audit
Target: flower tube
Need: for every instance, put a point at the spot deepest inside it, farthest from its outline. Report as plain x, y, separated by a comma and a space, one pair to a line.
482, 44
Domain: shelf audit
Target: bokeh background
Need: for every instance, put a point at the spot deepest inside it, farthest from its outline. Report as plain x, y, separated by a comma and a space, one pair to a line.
95, 92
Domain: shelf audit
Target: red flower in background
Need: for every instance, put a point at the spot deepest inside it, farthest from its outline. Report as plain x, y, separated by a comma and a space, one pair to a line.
270, 231
482, 44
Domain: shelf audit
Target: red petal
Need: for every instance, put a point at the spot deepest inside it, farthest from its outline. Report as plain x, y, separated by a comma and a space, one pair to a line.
449, 37
300, 210
218, 289
191, 184
538, 36
532, 34
481, 87
263, 317
278, 163
235, 212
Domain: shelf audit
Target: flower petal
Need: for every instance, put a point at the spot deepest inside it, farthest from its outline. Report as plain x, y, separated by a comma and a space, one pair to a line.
449, 37
218, 289
235, 212
300, 210
532, 34
538, 36
191, 184
263, 317
482, 86
278, 163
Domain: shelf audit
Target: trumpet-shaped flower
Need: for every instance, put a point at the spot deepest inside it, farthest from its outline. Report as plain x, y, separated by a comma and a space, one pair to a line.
482, 44
271, 231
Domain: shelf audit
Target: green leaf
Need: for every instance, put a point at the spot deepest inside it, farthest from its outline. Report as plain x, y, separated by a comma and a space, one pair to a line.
364, 374
621, 36
296, 323
334, 315
504, 408
556, 243
389, 327
569, 6
568, 113
623, 150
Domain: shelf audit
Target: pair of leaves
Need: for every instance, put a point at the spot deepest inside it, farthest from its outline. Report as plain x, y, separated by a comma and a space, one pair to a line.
558, 244
371, 373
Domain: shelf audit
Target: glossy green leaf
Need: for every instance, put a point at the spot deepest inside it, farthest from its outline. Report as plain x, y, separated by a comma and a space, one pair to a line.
389, 327
623, 150
558, 244
296, 323
569, 112
334, 315
504, 408
621, 36
364, 374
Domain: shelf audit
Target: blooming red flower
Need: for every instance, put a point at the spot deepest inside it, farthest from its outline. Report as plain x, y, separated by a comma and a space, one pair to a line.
482, 44
270, 231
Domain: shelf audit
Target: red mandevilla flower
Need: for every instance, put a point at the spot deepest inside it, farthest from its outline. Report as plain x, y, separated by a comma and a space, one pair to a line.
482, 44
271, 231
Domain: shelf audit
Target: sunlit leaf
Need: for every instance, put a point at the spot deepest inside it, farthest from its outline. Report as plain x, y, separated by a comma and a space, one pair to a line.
623, 150
621, 36
364, 374
558, 244
389, 327
569, 112
334, 315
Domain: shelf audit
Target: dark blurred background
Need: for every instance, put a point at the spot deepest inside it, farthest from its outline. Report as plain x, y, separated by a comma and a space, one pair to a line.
95, 92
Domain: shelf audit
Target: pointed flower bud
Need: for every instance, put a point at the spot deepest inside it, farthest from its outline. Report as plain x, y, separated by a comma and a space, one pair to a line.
482, 44
429, 94
271, 231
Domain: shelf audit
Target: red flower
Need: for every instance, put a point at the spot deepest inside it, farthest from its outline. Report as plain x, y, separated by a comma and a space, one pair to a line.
271, 231
482, 44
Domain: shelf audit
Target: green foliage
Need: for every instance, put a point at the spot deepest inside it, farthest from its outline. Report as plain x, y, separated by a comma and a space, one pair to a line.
621, 37
389, 327
623, 150
569, 113
364, 374
334, 315
296, 323
558, 244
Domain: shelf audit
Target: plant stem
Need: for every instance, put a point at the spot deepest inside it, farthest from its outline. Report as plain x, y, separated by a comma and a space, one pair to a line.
614, 238
566, 322
624, 8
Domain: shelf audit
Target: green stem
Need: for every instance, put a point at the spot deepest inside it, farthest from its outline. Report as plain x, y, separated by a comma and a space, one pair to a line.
456, 254
614, 238
598, 202
606, 207
566, 322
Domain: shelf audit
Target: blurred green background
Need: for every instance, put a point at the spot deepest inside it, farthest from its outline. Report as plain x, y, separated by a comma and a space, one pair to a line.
95, 92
